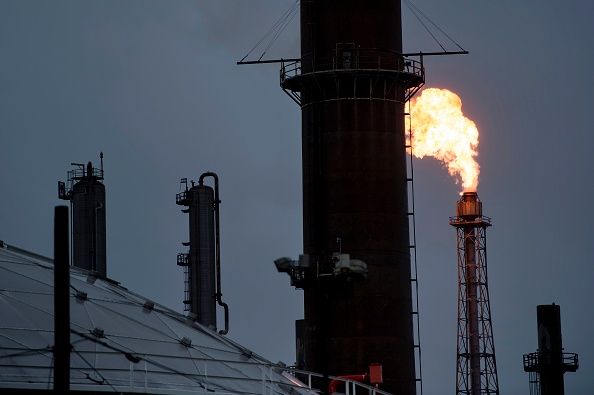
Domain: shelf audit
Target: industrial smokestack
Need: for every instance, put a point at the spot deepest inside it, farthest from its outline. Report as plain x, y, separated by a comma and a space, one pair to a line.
61, 301
351, 83
85, 191
476, 368
202, 263
548, 365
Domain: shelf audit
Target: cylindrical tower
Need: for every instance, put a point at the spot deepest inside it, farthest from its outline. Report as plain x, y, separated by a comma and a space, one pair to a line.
201, 259
476, 368
550, 345
548, 365
352, 84
202, 254
86, 193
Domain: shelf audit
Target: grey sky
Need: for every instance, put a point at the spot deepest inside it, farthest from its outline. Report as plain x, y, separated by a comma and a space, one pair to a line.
153, 84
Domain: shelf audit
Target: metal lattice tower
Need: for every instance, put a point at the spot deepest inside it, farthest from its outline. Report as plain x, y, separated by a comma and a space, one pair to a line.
476, 369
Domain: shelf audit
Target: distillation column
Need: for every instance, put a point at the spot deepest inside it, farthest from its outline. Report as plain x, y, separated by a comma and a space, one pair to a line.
199, 262
86, 192
202, 264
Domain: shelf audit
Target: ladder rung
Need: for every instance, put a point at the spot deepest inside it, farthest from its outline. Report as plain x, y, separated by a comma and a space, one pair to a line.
408, 146
415, 312
410, 213
409, 179
407, 113
414, 280
413, 246
417, 346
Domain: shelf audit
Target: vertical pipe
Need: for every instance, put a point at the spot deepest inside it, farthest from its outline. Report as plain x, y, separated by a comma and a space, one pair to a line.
61, 301
93, 222
550, 349
217, 204
472, 310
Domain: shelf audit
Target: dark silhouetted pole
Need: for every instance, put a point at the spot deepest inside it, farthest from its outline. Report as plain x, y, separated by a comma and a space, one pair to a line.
548, 365
550, 346
61, 301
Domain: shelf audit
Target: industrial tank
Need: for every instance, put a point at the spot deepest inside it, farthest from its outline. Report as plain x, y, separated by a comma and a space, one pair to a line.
202, 253
201, 262
86, 193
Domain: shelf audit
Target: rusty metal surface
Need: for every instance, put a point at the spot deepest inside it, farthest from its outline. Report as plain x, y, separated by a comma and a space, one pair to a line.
476, 367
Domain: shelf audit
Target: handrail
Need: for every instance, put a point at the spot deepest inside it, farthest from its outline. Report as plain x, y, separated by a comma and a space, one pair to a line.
539, 359
351, 387
181, 198
361, 60
476, 221
76, 174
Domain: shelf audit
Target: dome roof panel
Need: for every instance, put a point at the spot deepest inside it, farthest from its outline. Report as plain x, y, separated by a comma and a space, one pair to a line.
118, 344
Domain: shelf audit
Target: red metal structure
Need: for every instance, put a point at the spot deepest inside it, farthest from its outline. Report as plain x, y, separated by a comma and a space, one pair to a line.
476, 368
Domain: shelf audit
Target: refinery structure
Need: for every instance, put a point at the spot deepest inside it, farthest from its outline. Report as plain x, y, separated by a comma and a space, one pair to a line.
66, 325
352, 84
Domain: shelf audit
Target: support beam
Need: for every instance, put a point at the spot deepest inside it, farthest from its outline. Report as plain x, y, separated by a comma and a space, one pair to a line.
61, 301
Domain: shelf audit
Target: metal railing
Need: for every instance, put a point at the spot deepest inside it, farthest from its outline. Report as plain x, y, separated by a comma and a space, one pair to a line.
479, 220
182, 198
77, 174
350, 387
183, 259
358, 59
73, 176
537, 360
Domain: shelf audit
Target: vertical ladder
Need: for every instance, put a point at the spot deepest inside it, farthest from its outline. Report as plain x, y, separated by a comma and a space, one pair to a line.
413, 254
534, 383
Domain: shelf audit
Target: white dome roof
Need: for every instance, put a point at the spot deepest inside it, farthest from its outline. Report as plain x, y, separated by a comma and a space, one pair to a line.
121, 341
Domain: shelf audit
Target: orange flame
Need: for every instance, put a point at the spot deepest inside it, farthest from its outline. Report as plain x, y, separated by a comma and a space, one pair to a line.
440, 130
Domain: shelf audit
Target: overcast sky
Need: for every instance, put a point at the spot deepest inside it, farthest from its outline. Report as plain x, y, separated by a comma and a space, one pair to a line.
154, 85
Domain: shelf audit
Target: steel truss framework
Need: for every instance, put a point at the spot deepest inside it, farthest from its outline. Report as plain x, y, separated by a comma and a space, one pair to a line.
474, 311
